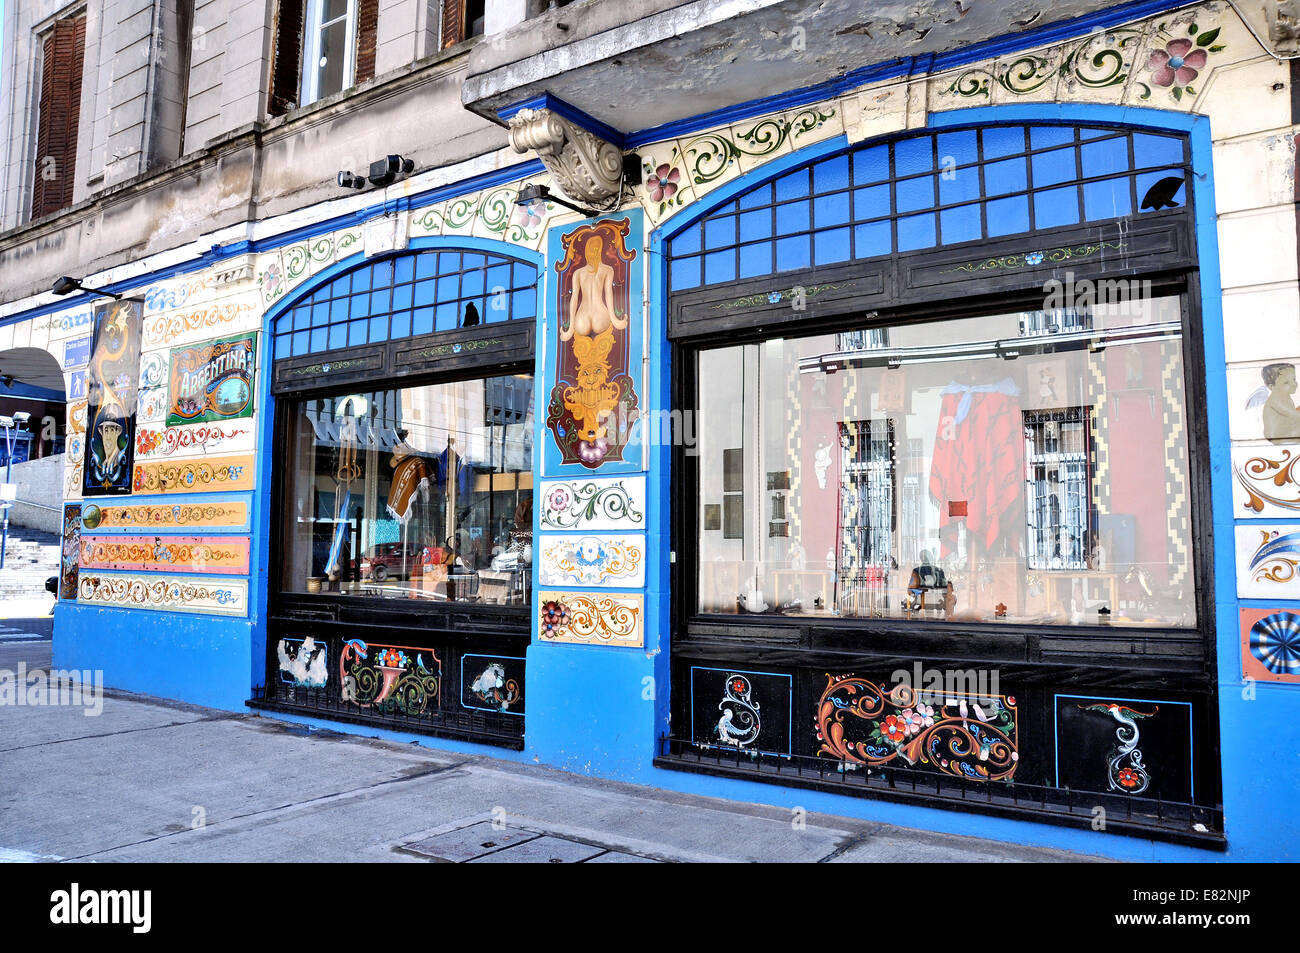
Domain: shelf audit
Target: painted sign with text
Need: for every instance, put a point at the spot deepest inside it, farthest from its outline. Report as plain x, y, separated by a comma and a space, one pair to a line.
212, 381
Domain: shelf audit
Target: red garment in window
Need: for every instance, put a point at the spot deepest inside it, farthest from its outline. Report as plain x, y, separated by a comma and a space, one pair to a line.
979, 459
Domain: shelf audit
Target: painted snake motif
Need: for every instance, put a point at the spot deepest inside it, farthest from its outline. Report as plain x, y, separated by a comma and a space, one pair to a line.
1133, 777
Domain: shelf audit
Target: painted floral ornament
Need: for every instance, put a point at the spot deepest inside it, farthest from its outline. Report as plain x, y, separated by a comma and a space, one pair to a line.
1180, 61
661, 185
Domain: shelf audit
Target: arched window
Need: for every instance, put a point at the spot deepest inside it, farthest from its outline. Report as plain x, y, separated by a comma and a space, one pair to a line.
405, 296
931, 190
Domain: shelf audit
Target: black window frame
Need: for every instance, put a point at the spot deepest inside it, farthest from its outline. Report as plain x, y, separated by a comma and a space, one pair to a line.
478, 352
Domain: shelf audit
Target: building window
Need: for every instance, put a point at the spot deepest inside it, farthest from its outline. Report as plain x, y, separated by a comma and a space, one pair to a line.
928, 191
321, 48
1058, 492
58, 112
404, 554
462, 19
949, 418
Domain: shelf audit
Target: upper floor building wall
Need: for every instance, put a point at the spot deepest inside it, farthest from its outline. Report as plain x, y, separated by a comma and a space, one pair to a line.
184, 121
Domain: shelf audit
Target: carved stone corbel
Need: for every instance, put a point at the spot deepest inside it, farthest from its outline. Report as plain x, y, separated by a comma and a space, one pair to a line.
584, 166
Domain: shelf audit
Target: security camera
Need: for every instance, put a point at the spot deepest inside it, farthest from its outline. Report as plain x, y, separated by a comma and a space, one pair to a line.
383, 171
350, 180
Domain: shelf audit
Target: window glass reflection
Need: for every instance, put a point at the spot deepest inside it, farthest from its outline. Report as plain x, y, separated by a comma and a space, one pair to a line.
414, 493
1026, 467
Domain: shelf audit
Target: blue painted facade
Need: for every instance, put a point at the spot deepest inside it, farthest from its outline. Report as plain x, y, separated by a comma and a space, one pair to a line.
600, 709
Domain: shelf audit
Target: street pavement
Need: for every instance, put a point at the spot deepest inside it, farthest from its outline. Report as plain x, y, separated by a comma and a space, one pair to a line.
154, 780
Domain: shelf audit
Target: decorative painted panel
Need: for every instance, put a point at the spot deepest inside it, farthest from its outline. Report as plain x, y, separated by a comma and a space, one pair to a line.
861, 722
303, 662
1268, 557
175, 593
198, 476
207, 513
593, 388
1266, 481
111, 392
177, 327
741, 710
390, 677
591, 618
1270, 645
570, 560
213, 381
492, 683
224, 555
70, 552
1262, 402
1124, 745
200, 439
597, 503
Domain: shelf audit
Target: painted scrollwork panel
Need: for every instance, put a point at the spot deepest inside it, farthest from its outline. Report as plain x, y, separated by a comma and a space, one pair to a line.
596, 503
861, 722
598, 560
590, 618
171, 593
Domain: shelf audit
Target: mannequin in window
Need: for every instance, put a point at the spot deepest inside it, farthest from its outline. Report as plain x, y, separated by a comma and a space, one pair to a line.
925, 578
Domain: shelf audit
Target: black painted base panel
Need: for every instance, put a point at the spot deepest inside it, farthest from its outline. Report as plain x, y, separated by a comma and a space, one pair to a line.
454, 726
1146, 818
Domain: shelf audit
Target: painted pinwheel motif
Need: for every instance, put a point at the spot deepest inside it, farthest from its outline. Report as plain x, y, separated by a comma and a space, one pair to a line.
1179, 62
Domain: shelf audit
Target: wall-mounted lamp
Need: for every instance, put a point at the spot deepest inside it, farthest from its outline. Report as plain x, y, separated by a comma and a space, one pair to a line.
64, 285
350, 180
532, 194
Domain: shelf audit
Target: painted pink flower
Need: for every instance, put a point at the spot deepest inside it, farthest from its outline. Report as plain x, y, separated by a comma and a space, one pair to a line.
662, 183
1176, 63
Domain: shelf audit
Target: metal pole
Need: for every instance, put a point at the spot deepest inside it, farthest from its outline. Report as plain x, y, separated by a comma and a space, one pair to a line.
9, 465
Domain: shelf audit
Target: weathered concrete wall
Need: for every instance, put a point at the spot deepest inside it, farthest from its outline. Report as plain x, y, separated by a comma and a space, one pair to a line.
39, 481
261, 170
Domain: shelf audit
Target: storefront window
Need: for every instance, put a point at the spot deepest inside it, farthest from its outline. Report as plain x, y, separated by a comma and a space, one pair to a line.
1024, 467
414, 492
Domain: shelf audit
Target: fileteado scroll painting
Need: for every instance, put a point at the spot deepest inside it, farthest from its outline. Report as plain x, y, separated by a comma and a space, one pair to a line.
593, 402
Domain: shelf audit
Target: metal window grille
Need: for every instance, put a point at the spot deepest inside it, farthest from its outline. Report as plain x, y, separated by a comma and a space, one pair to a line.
1057, 491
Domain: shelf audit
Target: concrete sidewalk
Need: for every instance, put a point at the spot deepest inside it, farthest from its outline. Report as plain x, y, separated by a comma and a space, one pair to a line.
151, 780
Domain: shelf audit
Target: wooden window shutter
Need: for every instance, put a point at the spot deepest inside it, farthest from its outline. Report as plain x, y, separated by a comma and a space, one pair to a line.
453, 22
286, 56
59, 112
367, 36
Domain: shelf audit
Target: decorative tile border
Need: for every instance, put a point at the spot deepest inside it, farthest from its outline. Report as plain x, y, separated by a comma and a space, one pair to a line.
223, 555
572, 560
593, 503
171, 593
591, 618
199, 476
231, 513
